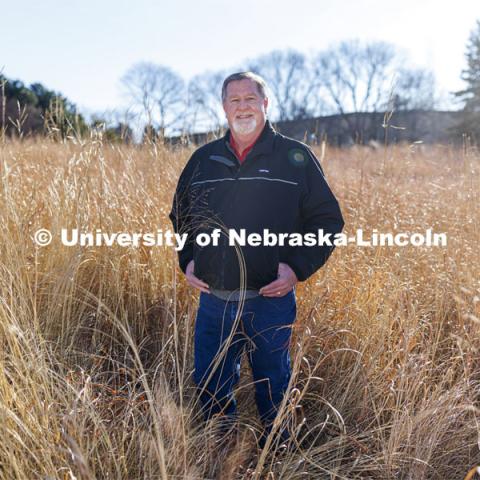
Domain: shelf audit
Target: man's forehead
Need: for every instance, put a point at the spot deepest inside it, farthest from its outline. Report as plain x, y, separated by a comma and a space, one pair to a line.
242, 86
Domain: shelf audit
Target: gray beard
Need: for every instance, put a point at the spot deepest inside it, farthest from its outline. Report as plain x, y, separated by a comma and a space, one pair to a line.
244, 127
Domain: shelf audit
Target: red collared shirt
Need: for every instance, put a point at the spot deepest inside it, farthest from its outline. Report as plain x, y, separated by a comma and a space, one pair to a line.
234, 145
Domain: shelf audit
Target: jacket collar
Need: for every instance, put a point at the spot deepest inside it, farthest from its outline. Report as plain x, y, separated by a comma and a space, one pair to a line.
263, 145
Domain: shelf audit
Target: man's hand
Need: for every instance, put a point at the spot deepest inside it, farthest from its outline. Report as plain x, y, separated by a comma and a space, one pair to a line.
193, 280
285, 281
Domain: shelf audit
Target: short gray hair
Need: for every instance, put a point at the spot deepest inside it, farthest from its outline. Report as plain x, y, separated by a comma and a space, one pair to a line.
257, 79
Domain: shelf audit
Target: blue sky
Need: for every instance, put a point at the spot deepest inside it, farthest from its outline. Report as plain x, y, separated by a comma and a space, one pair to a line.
82, 48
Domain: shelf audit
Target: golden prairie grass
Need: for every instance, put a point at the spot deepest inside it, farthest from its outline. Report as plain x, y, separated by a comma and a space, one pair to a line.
96, 358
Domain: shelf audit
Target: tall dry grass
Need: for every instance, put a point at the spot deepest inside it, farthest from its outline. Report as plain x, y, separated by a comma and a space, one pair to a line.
96, 358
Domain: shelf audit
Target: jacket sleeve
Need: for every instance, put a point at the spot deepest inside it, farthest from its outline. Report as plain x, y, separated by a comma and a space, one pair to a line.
319, 210
180, 214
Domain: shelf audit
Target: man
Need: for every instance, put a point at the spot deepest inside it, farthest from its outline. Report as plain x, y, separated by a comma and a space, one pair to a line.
253, 179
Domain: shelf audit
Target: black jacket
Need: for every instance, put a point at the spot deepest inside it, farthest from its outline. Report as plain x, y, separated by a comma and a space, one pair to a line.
280, 186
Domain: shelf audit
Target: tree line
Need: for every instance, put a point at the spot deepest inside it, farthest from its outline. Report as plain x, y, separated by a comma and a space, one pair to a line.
349, 77
35, 109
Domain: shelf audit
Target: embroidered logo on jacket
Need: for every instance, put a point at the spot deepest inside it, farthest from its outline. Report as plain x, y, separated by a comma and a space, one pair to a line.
297, 157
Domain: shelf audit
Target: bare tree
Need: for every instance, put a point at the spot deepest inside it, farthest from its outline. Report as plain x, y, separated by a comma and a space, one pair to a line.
158, 92
291, 82
414, 89
204, 104
358, 78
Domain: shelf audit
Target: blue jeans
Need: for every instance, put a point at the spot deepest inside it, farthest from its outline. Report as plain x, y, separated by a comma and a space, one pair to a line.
264, 329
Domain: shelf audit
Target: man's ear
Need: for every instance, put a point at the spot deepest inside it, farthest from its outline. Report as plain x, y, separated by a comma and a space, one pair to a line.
265, 103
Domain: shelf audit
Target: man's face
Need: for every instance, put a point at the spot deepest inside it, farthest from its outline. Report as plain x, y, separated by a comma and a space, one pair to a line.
245, 108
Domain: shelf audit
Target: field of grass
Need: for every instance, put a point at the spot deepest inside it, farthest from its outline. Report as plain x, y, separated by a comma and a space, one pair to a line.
97, 357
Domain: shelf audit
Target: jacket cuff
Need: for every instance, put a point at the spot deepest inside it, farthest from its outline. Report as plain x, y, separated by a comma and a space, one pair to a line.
184, 259
304, 266
300, 272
